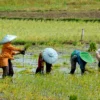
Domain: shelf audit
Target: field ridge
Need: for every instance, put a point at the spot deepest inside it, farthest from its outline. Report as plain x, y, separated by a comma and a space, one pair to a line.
50, 14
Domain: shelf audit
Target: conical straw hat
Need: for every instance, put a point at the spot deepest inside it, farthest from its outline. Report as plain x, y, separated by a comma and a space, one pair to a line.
49, 55
8, 38
86, 57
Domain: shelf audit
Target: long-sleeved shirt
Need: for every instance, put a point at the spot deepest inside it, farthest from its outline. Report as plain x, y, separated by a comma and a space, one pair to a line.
79, 60
7, 53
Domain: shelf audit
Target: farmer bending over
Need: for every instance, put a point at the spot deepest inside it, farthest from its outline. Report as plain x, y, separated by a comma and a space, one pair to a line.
98, 57
8, 50
82, 58
48, 56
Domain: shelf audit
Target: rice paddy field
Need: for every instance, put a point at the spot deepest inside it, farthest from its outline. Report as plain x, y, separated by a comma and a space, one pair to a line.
50, 32
58, 85
62, 35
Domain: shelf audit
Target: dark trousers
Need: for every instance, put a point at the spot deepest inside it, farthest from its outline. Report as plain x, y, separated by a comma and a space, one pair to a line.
73, 64
8, 70
99, 64
39, 70
48, 68
5, 71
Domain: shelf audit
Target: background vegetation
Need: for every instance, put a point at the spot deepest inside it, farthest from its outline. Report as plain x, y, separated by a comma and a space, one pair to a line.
38, 5
50, 32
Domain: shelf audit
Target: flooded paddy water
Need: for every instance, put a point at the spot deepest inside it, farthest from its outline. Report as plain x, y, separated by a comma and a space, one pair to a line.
29, 61
25, 66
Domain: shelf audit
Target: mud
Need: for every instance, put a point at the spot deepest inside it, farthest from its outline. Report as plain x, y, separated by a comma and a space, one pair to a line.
50, 14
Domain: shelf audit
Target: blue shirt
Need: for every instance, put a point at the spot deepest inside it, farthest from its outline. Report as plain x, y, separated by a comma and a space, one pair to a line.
78, 59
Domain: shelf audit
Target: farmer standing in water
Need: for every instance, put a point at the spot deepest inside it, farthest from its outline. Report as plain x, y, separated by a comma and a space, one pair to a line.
8, 50
48, 56
98, 57
82, 58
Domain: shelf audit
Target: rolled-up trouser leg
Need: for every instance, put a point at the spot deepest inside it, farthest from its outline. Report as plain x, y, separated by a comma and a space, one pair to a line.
5, 71
48, 67
38, 70
11, 72
73, 64
99, 64
82, 71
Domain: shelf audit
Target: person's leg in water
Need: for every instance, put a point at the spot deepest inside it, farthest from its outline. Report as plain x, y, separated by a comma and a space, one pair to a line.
98, 58
73, 64
99, 64
38, 70
10, 68
82, 67
40, 67
82, 71
5, 71
48, 67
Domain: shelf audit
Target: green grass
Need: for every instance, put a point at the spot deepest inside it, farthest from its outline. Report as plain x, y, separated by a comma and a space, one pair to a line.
50, 32
57, 86
33, 5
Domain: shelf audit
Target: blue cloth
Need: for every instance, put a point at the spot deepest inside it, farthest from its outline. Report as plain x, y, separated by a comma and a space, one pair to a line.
78, 59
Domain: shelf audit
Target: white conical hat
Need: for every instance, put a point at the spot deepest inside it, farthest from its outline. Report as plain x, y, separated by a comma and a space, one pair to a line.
8, 38
49, 55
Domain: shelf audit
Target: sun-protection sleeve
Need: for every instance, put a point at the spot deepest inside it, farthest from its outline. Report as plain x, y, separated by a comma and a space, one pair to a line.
6, 55
13, 48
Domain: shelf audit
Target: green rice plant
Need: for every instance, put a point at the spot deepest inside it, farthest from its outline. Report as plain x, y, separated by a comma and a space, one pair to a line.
74, 43
92, 47
64, 63
56, 86
73, 97
49, 32
56, 65
27, 45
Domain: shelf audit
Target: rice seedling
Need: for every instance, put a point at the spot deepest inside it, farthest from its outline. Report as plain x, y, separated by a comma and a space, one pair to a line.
92, 47
57, 86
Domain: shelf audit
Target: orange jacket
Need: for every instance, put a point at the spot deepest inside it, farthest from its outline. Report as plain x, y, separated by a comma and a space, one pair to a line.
7, 53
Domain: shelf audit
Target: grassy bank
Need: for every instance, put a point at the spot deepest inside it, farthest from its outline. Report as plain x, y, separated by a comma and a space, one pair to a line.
38, 5
50, 32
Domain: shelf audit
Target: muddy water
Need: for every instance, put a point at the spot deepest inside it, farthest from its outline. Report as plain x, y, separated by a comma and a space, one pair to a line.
30, 59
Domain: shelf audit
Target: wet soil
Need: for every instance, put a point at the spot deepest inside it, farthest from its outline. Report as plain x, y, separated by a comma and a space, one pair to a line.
51, 14
30, 60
